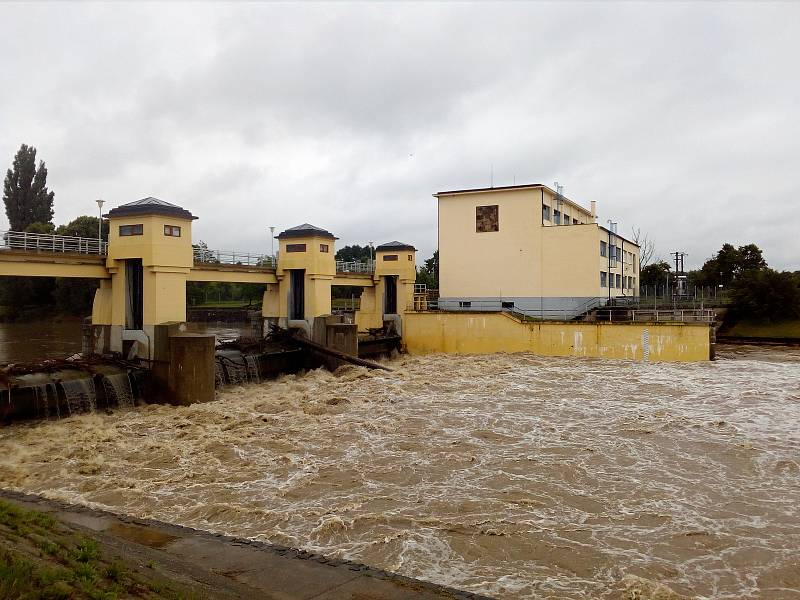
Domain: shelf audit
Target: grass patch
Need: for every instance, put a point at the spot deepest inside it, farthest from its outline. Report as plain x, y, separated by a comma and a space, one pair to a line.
786, 329
43, 558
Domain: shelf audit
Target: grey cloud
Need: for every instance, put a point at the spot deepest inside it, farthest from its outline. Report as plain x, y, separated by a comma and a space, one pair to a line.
679, 119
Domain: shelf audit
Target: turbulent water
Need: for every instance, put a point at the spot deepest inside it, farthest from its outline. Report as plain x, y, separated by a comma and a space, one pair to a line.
512, 475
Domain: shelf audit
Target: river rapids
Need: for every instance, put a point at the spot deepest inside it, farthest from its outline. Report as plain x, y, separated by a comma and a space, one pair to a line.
512, 475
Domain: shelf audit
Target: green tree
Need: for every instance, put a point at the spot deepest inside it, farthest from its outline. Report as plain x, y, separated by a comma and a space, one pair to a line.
766, 295
39, 227
29, 207
25, 192
729, 263
654, 274
354, 253
83, 226
428, 273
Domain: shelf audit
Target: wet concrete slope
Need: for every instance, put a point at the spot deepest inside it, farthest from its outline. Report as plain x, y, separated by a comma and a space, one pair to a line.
217, 566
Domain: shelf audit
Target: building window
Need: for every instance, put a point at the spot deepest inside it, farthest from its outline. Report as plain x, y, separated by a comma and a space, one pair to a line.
172, 230
557, 217
295, 247
487, 219
125, 230
545, 212
324, 248
633, 283
619, 281
603, 248
462, 304
507, 305
390, 257
565, 219
410, 257
613, 252
603, 279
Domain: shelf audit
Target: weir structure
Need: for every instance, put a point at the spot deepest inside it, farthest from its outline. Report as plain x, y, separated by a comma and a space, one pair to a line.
140, 309
149, 258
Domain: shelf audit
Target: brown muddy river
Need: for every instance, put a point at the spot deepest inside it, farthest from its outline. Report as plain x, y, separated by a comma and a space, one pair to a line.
512, 475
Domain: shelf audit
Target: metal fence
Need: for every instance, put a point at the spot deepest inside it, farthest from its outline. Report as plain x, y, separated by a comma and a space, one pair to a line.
343, 266
698, 296
593, 309
45, 242
231, 257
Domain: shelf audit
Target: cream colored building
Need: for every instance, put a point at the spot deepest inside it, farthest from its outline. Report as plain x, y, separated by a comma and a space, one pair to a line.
528, 248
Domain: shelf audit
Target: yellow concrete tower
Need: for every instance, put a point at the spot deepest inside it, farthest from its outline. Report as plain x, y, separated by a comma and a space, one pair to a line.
393, 290
149, 259
305, 271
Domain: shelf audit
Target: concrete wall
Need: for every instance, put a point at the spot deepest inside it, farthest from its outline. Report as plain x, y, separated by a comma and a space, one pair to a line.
482, 333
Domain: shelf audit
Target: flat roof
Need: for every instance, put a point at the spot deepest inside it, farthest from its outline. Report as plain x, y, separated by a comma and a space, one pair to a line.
505, 188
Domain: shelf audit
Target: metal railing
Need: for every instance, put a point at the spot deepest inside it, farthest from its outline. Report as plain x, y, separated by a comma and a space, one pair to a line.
230, 257
680, 315
46, 242
354, 266
346, 304
538, 314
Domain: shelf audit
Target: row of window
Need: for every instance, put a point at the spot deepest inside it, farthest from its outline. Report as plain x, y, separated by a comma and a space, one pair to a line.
615, 280
559, 218
127, 230
616, 253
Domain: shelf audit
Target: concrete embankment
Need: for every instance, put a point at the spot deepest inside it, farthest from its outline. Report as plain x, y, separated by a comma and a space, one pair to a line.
206, 565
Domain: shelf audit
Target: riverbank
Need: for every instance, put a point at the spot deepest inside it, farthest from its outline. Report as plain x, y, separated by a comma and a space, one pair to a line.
750, 332
54, 550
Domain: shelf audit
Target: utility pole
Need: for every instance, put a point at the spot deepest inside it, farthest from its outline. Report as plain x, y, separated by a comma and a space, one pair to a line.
681, 285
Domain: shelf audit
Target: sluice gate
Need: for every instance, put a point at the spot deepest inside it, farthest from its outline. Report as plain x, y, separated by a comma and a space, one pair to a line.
58, 389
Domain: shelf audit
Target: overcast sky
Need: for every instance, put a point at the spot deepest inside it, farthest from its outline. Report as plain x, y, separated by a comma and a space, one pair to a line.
680, 119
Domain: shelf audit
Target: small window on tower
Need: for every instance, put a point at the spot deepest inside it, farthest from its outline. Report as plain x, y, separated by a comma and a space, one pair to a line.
487, 218
389, 257
172, 231
324, 248
295, 247
125, 230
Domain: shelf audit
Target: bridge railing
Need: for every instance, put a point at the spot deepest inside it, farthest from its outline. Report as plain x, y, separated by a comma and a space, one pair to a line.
231, 257
45, 242
354, 266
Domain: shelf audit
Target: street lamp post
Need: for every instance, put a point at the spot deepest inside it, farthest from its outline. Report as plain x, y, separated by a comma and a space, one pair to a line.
100, 226
272, 242
371, 259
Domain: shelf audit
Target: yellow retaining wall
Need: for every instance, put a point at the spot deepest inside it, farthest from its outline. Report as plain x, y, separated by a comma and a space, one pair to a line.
483, 333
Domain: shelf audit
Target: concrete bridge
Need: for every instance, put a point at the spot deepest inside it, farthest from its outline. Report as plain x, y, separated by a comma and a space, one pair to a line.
149, 257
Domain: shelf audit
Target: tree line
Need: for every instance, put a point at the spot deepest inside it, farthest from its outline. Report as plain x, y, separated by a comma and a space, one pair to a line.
741, 274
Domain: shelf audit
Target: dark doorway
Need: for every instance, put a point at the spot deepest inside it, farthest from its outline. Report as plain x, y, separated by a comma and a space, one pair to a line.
297, 294
390, 296
134, 301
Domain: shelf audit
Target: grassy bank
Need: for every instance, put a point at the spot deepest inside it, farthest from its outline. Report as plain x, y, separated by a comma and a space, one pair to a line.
41, 557
751, 329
